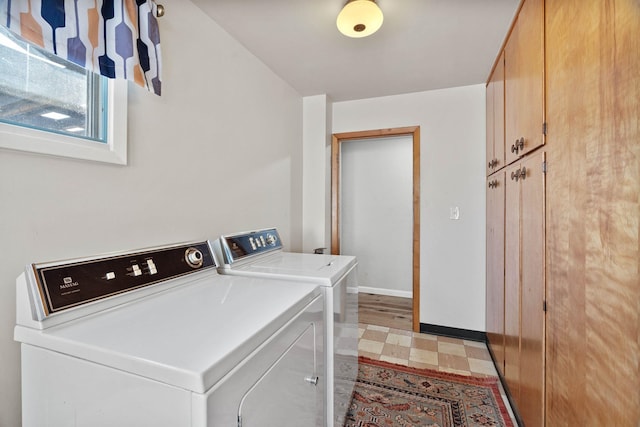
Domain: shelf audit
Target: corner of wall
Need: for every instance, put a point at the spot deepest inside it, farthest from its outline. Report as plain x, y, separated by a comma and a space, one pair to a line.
315, 137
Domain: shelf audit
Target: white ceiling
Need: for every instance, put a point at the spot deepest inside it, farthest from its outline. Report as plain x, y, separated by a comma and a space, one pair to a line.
422, 45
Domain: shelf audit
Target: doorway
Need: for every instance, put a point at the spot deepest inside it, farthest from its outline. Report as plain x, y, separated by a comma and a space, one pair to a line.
336, 149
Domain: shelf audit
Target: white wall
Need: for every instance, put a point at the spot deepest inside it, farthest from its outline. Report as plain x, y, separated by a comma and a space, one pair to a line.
452, 131
376, 212
218, 152
316, 140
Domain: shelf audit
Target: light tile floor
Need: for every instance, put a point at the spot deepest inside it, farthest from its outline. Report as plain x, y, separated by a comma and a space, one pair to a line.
427, 351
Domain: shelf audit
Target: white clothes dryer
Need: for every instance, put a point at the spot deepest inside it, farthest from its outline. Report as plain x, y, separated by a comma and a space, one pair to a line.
259, 253
157, 337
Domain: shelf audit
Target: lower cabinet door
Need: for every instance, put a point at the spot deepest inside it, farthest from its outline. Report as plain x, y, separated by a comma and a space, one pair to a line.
512, 282
532, 264
495, 267
525, 286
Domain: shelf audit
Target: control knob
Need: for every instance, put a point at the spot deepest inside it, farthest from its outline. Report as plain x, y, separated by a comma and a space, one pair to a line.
271, 239
193, 257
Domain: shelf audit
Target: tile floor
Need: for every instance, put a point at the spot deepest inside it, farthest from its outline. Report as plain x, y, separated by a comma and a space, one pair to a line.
425, 351
428, 351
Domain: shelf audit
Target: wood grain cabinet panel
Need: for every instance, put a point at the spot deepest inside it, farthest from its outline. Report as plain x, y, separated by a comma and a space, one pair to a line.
495, 267
524, 82
532, 288
489, 127
495, 118
593, 214
524, 289
512, 284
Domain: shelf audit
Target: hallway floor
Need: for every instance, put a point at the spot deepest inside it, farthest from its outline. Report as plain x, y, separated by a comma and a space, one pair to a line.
379, 340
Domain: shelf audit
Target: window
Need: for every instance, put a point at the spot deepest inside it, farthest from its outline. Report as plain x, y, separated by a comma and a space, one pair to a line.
51, 106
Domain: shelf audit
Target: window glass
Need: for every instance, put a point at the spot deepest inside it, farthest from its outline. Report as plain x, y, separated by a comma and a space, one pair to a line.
41, 91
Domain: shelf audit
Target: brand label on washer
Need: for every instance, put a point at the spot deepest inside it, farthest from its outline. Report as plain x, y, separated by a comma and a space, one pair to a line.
69, 283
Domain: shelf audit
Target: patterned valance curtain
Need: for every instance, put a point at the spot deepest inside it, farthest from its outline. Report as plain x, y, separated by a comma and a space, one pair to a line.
115, 38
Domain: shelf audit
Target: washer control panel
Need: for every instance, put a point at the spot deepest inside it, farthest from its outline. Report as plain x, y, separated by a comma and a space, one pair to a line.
68, 284
242, 245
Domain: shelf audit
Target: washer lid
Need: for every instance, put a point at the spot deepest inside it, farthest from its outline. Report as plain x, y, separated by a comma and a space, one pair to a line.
189, 336
324, 270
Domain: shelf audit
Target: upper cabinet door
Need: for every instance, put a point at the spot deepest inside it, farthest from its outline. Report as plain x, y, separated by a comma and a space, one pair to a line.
497, 81
524, 82
490, 129
495, 118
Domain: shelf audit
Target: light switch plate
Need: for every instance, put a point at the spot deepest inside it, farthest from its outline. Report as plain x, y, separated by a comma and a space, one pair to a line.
454, 212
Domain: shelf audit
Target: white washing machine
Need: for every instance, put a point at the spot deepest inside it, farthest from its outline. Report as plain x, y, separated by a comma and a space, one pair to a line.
259, 254
158, 338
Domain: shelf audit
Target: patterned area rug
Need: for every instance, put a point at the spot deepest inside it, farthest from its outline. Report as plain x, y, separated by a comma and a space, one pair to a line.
393, 395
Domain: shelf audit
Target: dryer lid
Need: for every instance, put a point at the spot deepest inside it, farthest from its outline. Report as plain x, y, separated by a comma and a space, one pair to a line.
189, 336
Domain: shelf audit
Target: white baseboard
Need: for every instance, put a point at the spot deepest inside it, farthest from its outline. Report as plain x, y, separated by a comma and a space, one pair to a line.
387, 292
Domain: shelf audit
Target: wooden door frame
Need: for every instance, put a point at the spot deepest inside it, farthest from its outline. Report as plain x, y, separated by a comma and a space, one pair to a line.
339, 138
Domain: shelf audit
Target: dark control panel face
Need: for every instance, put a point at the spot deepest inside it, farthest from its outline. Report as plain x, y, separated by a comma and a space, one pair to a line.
240, 246
67, 285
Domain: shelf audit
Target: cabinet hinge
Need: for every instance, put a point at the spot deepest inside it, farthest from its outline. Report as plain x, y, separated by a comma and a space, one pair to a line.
544, 306
544, 128
544, 167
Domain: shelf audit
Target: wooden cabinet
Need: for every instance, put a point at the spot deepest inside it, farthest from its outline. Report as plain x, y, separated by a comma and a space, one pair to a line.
572, 234
593, 214
519, 351
495, 267
524, 82
495, 118
525, 286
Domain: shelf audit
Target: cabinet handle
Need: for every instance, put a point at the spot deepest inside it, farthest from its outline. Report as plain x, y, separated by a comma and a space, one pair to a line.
519, 173
518, 145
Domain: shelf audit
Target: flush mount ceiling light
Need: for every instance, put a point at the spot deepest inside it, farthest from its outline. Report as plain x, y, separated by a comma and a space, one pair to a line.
359, 18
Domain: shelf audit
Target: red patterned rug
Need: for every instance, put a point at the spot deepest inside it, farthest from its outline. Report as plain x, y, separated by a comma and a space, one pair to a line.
393, 395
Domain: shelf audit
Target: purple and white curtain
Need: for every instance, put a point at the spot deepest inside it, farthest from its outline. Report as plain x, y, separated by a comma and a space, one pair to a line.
115, 38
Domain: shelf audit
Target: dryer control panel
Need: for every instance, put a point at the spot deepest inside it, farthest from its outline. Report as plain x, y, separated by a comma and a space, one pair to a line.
63, 285
242, 245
